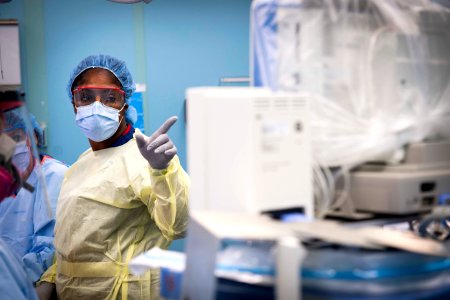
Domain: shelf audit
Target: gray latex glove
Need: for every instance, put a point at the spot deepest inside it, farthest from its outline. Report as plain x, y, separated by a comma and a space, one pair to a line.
158, 149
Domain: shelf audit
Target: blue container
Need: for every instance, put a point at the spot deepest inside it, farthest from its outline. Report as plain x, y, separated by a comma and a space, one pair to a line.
171, 284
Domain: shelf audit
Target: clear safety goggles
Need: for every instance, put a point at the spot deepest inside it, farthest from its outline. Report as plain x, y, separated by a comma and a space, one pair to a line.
86, 95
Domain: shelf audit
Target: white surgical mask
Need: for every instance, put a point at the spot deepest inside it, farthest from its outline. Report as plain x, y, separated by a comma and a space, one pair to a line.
21, 158
98, 121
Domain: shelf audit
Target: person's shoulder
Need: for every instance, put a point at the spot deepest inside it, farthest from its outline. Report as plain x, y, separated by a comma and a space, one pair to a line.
131, 155
86, 153
132, 151
53, 166
132, 144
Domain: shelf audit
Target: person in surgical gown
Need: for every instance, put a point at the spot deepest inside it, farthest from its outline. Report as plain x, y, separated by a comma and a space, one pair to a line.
26, 224
123, 196
14, 281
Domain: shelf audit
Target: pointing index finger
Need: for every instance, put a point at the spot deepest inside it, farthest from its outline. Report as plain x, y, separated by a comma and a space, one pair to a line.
164, 127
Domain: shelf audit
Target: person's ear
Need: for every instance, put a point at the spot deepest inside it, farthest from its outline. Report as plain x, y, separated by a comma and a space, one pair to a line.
74, 108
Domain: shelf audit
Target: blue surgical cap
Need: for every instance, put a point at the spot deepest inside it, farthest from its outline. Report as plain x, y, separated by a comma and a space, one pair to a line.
14, 120
115, 66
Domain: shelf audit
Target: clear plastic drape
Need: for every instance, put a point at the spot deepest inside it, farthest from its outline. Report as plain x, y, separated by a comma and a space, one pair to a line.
376, 72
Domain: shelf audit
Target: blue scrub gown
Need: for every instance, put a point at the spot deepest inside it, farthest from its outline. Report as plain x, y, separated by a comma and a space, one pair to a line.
24, 221
14, 283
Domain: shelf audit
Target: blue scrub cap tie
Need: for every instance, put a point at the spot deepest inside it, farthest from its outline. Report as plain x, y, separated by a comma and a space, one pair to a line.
115, 66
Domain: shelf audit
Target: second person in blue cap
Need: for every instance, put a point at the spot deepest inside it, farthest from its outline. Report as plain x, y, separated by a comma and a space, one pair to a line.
125, 195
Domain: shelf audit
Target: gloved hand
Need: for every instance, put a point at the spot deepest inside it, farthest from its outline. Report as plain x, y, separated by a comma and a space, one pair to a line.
158, 149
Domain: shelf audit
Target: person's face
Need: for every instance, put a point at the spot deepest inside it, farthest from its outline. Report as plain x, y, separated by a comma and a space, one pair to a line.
23, 156
102, 78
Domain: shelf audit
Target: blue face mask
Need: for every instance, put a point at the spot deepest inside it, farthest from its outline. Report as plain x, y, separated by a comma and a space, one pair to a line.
21, 158
98, 121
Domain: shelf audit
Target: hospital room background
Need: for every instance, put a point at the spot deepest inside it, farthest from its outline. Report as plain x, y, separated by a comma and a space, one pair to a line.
167, 45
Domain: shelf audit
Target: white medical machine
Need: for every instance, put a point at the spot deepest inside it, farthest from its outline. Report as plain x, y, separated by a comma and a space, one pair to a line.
248, 150
416, 185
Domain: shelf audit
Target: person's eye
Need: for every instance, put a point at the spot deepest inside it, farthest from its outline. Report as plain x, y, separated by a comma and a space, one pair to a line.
85, 98
111, 99
16, 137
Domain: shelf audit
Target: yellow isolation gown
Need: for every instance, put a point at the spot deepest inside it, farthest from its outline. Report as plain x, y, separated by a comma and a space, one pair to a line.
112, 207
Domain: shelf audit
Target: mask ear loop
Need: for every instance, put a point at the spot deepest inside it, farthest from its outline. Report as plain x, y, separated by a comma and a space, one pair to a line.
120, 121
